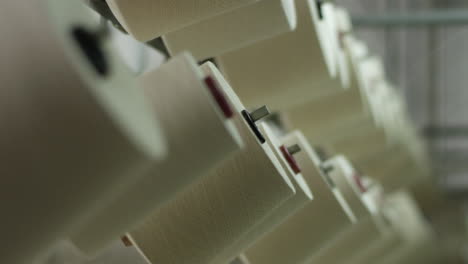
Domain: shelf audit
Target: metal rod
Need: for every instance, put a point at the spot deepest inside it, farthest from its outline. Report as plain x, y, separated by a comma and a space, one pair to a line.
294, 149
260, 113
416, 19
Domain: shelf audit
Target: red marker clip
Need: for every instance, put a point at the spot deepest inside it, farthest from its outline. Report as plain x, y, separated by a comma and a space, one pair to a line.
290, 159
126, 241
219, 97
359, 183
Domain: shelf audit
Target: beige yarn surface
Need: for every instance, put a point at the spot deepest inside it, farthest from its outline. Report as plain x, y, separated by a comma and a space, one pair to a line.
302, 197
297, 239
199, 138
419, 244
148, 19
223, 206
272, 73
235, 29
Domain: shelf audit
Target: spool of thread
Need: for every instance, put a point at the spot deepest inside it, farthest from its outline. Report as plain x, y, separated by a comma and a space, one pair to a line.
353, 113
329, 11
321, 18
390, 238
347, 180
305, 232
341, 171
356, 51
416, 145
71, 139
390, 110
352, 241
394, 169
148, 19
393, 114
379, 95
285, 155
402, 129
383, 119
344, 28
200, 135
274, 73
233, 30
345, 112
408, 230
221, 207
302, 197
373, 82
326, 116
358, 237
361, 144
417, 235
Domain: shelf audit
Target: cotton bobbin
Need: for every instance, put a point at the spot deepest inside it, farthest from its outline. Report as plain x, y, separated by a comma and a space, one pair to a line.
197, 119
71, 140
148, 19
305, 232
272, 73
235, 29
223, 206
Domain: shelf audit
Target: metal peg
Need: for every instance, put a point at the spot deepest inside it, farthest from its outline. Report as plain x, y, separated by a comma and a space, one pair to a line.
259, 113
294, 149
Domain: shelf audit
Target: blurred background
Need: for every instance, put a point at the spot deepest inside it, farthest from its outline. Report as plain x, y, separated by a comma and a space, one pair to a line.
427, 61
